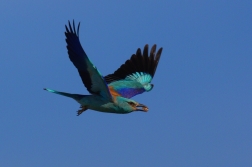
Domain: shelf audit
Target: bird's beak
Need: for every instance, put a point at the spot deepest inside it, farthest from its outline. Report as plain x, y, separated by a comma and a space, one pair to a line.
142, 108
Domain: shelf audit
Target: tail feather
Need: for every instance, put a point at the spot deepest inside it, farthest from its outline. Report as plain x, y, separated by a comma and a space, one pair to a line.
74, 96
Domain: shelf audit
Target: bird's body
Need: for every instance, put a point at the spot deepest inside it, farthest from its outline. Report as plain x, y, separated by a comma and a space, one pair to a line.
112, 93
97, 103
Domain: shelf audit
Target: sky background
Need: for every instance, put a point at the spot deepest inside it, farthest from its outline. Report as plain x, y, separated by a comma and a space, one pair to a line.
200, 110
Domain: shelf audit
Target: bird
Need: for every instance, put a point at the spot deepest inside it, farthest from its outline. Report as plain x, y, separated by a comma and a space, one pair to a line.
111, 93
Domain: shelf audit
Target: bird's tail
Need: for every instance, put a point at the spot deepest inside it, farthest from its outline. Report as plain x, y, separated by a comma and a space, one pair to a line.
74, 96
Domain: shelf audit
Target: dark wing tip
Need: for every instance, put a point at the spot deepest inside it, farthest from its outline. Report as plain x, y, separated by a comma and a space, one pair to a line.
158, 55
70, 29
78, 29
153, 49
156, 60
140, 62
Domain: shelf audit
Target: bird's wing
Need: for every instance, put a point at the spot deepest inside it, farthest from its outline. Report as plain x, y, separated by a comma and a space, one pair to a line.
91, 77
135, 75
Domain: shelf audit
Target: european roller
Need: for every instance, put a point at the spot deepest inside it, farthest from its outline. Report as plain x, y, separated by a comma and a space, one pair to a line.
112, 93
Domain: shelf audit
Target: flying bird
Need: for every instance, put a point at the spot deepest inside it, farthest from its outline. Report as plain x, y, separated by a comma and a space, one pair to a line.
112, 93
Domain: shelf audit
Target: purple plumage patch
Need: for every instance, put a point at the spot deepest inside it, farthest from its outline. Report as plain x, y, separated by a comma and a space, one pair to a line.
130, 92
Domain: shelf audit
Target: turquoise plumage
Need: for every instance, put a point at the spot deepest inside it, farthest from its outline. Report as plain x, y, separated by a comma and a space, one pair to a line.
111, 93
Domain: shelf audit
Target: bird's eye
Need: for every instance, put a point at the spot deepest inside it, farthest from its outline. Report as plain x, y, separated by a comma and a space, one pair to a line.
131, 103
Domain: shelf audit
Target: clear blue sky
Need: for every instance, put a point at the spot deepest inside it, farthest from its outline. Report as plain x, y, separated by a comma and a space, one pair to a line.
200, 110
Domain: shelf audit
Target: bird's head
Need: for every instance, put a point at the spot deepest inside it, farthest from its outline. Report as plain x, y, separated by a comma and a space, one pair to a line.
130, 105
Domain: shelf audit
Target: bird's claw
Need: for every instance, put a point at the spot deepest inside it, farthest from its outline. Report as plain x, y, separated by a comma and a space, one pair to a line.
83, 108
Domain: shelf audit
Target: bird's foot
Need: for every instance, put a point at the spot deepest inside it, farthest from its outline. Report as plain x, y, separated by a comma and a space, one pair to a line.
83, 108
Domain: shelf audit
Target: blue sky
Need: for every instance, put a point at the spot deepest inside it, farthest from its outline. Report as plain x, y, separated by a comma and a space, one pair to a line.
200, 109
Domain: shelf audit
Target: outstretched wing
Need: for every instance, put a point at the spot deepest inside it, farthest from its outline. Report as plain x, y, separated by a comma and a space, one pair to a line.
135, 75
91, 77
